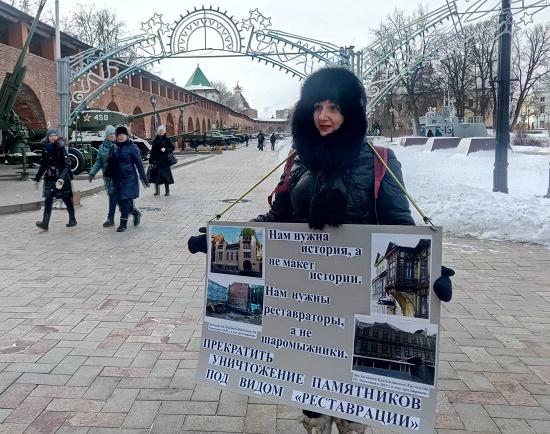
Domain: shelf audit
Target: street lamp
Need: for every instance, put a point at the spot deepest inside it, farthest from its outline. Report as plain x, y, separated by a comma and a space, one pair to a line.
182, 142
154, 101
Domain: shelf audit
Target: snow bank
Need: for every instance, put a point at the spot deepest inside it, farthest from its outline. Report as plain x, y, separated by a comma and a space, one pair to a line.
456, 192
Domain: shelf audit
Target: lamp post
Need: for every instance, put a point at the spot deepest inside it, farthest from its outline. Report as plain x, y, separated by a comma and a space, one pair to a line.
392, 113
500, 172
182, 143
154, 101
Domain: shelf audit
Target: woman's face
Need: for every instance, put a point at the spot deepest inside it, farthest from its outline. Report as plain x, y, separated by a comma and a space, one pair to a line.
52, 138
327, 117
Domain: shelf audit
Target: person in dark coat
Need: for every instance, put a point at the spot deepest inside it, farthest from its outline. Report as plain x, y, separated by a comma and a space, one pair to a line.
261, 140
246, 139
273, 139
430, 133
55, 168
106, 149
128, 160
332, 180
160, 168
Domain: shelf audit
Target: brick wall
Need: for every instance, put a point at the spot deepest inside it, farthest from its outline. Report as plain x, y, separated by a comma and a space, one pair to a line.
41, 80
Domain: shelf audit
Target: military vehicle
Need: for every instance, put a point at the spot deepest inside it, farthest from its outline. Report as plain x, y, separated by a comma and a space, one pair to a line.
88, 134
16, 135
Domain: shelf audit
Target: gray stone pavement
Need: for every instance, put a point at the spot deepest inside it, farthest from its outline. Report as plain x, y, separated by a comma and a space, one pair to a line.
99, 331
17, 196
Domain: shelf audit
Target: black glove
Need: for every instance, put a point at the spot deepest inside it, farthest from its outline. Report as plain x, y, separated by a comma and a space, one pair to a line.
328, 207
198, 243
443, 287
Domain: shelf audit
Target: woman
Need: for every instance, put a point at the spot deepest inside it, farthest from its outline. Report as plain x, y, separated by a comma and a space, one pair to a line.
106, 149
56, 170
332, 180
159, 161
128, 159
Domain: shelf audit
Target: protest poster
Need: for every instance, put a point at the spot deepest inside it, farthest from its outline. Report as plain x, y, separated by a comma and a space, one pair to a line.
343, 321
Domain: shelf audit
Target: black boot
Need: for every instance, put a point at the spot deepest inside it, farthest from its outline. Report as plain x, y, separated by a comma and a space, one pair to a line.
108, 223
167, 189
70, 210
123, 225
45, 221
157, 189
137, 217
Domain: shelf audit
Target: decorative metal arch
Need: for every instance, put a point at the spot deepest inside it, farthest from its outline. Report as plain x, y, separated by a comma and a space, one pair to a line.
204, 30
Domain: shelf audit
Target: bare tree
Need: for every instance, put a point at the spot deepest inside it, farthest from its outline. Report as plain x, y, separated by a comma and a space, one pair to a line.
530, 64
96, 27
456, 71
484, 58
405, 55
226, 95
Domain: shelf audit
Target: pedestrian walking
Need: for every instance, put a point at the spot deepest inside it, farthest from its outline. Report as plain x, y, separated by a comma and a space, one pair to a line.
106, 149
273, 139
331, 181
128, 160
55, 168
430, 133
438, 132
246, 139
159, 160
261, 140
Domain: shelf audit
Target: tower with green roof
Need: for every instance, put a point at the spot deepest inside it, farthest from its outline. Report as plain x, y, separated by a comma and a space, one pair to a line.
199, 84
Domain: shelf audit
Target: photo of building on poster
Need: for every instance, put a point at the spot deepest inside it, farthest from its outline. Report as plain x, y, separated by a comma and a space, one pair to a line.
237, 250
400, 271
395, 347
230, 300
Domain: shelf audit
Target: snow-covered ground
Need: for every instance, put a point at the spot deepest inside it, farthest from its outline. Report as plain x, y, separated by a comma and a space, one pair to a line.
456, 192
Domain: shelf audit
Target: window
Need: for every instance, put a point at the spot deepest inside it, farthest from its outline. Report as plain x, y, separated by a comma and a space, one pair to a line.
470, 102
408, 269
220, 256
541, 111
542, 99
247, 255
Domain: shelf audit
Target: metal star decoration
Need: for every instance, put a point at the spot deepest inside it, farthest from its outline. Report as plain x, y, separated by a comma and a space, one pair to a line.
527, 18
155, 25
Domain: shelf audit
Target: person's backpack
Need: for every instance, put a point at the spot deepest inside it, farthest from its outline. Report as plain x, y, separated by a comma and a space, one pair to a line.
112, 169
379, 172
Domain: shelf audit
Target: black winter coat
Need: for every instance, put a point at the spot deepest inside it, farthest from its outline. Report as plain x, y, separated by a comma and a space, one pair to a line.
356, 183
160, 169
54, 165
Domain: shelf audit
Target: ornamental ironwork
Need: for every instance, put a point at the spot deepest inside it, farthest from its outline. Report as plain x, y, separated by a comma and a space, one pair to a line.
208, 31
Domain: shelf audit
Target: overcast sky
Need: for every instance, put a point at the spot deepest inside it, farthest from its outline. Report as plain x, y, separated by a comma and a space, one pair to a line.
341, 22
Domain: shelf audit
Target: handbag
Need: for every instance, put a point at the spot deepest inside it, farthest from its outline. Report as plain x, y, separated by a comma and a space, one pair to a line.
112, 170
172, 159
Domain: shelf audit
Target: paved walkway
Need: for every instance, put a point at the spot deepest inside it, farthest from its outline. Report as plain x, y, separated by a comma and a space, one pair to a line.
99, 331
18, 196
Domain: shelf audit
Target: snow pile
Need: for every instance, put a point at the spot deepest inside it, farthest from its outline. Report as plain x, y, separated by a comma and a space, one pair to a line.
456, 191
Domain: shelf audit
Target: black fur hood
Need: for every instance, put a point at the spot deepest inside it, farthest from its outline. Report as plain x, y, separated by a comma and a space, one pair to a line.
339, 149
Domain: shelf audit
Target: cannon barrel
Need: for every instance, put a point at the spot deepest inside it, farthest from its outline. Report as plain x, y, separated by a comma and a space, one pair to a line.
12, 81
132, 118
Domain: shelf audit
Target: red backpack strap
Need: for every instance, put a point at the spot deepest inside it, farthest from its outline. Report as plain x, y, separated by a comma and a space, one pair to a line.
283, 186
379, 168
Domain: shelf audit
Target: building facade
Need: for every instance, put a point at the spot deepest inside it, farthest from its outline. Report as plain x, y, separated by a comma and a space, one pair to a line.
402, 282
386, 350
243, 257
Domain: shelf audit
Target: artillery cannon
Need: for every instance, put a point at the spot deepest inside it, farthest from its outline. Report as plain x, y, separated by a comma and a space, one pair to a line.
16, 133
